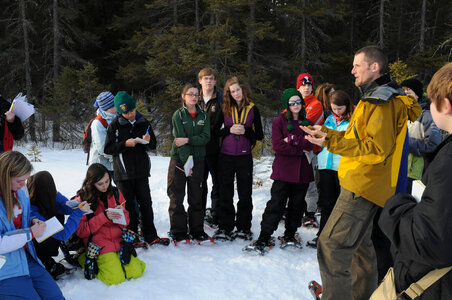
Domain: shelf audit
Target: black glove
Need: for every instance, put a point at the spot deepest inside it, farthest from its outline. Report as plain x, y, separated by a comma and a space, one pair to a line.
91, 268
127, 248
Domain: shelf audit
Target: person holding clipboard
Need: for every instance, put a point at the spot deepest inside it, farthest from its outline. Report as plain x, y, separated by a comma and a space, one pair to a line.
129, 138
20, 268
11, 127
46, 203
191, 131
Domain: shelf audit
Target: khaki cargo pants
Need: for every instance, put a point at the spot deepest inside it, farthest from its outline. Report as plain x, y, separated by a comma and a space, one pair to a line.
346, 255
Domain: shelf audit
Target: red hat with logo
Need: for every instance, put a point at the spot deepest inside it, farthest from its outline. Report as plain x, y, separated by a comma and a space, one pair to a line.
304, 78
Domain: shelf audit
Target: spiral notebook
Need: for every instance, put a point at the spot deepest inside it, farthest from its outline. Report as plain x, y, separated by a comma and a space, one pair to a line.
52, 226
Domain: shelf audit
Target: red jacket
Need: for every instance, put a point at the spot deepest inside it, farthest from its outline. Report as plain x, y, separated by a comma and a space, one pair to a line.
105, 233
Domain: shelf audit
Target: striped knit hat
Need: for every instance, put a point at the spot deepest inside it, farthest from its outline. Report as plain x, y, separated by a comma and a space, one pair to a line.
104, 101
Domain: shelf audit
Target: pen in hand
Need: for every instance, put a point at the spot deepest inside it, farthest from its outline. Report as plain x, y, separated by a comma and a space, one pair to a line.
147, 130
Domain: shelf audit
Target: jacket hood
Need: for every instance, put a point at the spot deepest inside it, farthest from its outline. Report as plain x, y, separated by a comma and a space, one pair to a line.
138, 119
380, 90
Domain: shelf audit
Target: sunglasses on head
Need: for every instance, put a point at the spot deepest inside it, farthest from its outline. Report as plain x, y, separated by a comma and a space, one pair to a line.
292, 103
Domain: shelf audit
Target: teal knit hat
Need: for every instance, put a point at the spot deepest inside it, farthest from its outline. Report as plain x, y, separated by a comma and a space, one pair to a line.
287, 94
124, 102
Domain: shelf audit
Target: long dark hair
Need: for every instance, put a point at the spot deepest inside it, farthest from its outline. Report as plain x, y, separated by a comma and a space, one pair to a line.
43, 192
89, 192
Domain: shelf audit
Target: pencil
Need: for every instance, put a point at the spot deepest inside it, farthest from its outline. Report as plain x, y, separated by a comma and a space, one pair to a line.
11, 108
79, 206
122, 204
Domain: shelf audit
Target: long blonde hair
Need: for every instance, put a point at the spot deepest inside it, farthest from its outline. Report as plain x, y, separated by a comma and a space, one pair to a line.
12, 164
228, 101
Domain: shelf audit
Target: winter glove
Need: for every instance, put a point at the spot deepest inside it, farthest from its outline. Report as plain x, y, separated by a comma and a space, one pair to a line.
127, 248
91, 268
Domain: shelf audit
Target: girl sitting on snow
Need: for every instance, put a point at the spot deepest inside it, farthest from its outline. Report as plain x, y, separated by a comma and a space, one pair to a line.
110, 255
47, 202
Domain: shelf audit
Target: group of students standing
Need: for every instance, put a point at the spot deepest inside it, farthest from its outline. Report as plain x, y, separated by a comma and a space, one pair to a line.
219, 130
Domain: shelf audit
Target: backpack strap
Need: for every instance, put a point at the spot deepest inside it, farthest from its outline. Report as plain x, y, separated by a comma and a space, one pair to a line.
416, 289
102, 120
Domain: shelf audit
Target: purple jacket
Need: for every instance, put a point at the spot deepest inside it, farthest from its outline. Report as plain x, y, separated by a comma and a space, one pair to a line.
290, 164
241, 145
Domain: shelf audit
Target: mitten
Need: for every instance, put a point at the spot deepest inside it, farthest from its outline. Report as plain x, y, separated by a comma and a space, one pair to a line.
91, 268
127, 248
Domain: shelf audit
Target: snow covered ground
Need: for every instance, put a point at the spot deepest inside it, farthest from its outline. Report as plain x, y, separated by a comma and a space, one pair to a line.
217, 271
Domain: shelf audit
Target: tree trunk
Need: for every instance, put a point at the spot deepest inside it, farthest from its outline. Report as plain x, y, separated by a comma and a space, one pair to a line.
303, 37
382, 29
352, 24
422, 35
251, 36
174, 13
197, 14
28, 85
399, 28
56, 135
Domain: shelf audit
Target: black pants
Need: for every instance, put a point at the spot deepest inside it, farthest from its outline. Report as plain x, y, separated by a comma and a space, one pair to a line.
211, 166
176, 192
138, 190
229, 168
46, 250
329, 190
382, 247
283, 192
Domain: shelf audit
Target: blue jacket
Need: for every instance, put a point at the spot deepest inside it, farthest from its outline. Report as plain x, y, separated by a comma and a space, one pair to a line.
16, 261
326, 159
72, 222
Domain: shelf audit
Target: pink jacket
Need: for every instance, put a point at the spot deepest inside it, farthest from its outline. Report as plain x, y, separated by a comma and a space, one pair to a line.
105, 233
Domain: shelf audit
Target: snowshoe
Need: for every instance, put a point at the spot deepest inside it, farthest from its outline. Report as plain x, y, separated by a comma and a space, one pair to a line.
202, 238
292, 241
260, 247
223, 235
312, 243
309, 220
210, 219
316, 289
246, 235
160, 241
180, 238
58, 270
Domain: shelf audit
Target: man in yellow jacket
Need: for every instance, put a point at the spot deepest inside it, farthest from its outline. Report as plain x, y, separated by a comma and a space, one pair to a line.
371, 151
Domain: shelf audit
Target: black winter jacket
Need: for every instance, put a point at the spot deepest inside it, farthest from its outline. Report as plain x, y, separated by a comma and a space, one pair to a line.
213, 107
15, 128
421, 233
129, 162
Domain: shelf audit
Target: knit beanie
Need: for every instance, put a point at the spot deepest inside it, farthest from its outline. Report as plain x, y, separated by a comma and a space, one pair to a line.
304, 78
415, 85
104, 101
124, 102
287, 94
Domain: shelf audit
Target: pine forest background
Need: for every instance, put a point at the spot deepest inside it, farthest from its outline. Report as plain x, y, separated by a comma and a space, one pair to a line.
62, 53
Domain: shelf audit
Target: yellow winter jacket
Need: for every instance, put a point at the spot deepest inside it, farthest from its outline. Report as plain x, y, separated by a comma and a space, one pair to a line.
371, 148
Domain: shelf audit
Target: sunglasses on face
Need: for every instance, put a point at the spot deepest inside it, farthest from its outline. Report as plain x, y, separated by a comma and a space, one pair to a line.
292, 103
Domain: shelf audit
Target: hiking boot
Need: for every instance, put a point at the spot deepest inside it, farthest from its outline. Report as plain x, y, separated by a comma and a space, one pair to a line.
180, 236
309, 220
224, 235
57, 270
246, 235
312, 243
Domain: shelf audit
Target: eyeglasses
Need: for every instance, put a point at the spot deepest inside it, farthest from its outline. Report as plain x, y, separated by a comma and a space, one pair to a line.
192, 95
292, 103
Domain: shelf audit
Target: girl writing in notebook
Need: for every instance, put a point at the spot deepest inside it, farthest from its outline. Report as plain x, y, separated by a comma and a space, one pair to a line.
46, 203
110, 256
21, 271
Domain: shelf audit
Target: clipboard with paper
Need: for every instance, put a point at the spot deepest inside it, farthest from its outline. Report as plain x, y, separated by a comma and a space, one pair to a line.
188, 165
23, 110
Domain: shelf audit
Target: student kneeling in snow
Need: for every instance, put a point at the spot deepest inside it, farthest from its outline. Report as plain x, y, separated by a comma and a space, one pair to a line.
110, 255
47, 202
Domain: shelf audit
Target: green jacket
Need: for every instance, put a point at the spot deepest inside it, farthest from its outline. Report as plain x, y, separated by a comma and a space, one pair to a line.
196, 129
